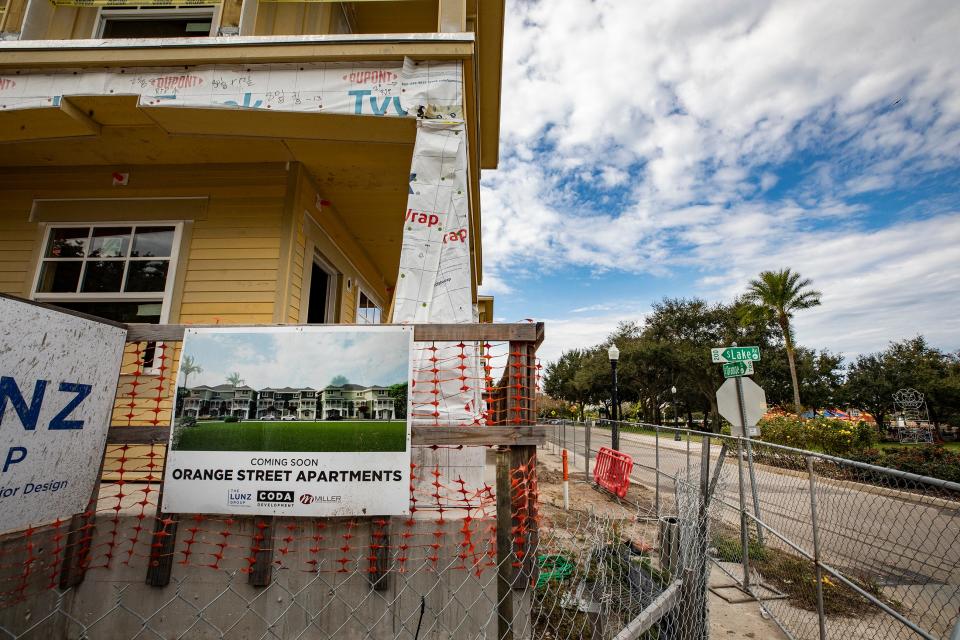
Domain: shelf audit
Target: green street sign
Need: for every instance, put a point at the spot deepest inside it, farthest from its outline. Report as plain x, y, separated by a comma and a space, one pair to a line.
734, 354
737, 369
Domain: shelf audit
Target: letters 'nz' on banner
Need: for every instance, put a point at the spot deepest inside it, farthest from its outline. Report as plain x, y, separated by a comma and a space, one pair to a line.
58, 378
296, 421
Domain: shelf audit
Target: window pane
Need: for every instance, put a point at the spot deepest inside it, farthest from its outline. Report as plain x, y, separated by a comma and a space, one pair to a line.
152, 242
68, 243
148, 312
103, 276
109, 242
146, 275
59, 277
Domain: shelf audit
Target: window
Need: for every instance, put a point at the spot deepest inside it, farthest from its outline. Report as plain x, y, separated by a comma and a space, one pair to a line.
155, 22
114, 271
367, 310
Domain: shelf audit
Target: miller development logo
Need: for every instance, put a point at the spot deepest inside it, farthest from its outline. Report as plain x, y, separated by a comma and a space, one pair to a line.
307, 498
275, 498
239, 498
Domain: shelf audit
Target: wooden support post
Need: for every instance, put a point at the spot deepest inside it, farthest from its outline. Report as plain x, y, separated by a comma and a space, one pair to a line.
505, 557
380, 553
162, 544
524, 515
261, 573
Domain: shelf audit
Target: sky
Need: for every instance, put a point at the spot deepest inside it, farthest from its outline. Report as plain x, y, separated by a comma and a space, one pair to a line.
679, 147
308, 357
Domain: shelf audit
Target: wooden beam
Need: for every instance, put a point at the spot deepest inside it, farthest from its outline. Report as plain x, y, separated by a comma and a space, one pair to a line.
452, 16
60, 54
421, 436
518, 332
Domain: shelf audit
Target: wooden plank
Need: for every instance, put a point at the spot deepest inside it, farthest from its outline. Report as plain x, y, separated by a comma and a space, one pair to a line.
160, 564
380, 550
261, 573
421, 436
520, 332
505, 571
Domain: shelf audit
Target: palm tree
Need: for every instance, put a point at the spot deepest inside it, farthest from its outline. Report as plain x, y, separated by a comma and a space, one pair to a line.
777, 295
235, 379
188, 366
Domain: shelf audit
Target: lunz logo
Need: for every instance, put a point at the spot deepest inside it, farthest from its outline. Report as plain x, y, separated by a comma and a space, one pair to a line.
238, 498
366, 77
166, 83
7, 83
285, 497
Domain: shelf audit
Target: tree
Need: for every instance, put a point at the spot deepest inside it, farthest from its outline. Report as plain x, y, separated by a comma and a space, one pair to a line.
339, 381
399, 394
568, 379
235, 379
188, 367
777, 295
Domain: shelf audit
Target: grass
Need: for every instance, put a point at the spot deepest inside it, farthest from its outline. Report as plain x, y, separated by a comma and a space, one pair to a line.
797, 578
949, 446
294, 436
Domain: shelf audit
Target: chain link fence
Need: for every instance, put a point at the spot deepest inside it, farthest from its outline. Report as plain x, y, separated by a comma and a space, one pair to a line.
830, 548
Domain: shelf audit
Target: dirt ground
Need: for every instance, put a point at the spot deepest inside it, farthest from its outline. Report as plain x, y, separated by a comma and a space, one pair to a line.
727, 620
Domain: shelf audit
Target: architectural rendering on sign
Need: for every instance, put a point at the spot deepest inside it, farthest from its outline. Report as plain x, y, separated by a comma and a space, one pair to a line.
282, 411
290, 403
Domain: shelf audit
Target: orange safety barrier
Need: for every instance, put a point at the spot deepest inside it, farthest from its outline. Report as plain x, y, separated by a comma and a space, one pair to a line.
612, 471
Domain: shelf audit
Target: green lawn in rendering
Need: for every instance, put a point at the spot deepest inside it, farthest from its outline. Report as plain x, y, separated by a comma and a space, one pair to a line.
294, 436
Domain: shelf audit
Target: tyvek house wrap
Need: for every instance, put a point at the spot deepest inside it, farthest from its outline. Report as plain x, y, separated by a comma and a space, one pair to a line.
433, 283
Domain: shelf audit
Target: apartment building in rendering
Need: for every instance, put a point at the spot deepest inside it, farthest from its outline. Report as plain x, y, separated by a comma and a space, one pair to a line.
219, 401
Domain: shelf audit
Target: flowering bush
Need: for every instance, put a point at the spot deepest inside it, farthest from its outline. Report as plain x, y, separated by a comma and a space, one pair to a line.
834, 437
924, 460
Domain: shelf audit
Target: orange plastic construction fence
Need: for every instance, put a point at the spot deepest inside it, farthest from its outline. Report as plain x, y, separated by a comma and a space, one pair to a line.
612, 471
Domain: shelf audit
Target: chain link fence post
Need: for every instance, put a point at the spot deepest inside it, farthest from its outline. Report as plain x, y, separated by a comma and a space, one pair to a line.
656, 473
821, 618
744, 523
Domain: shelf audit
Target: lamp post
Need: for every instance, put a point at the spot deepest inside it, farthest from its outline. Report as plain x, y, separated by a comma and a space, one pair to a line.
614, 355
676, 418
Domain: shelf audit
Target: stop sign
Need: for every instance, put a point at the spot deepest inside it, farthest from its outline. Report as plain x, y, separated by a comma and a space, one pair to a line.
754, 405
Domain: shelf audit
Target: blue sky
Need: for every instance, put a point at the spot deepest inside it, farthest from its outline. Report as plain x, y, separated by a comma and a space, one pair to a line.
301, 358
678, 148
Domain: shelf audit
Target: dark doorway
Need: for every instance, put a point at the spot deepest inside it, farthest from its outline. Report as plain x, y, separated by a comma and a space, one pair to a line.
319, 290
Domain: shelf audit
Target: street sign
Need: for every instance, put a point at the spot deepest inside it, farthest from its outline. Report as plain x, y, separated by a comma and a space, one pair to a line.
734, 369
754, 405
734, 354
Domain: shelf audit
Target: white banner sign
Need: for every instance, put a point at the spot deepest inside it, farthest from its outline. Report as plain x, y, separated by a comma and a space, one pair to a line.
295, 421
359, 88
58, 379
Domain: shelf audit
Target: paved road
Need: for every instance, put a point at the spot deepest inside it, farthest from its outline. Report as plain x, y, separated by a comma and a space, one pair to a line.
906, 543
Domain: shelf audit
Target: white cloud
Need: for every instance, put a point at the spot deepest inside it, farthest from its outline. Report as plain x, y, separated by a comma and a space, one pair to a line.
678, 116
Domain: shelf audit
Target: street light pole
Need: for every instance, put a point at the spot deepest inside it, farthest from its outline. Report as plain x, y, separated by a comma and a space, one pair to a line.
676, 419
614, 355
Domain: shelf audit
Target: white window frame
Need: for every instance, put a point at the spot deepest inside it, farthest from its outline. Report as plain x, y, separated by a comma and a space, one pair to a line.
356, 315
118, 296
165, 296
141, 13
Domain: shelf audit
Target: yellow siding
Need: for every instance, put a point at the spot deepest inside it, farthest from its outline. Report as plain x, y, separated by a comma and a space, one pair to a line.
14, 17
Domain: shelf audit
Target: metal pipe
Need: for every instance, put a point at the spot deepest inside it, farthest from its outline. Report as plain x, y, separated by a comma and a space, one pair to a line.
744, 526
753, 488
821, 616
656, 494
